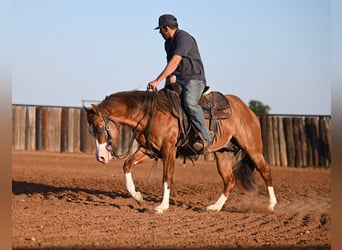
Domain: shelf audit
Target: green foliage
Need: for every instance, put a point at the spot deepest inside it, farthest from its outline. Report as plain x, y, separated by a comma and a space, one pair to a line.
258, 107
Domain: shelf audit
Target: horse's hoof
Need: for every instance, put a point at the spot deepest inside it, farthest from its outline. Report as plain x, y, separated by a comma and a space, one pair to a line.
212, 208
139, 197
160, 209
271, 207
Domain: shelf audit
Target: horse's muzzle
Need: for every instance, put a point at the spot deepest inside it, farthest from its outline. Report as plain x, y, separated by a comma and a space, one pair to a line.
102, 154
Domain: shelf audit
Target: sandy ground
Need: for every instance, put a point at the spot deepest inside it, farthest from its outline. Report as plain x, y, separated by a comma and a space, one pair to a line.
70, 201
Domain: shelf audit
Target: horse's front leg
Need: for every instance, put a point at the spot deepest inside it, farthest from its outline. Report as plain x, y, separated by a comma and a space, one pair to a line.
169, 160
133, 160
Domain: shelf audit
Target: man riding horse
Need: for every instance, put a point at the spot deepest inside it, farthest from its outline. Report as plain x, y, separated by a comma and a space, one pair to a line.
156, 126
185, 66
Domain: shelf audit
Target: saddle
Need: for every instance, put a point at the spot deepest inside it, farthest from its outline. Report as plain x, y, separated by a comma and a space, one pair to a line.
214, 104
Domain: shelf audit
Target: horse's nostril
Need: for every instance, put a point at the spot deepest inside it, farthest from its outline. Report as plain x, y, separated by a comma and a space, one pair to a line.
102, 159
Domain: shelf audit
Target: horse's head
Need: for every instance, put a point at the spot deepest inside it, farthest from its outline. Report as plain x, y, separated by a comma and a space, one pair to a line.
105, 130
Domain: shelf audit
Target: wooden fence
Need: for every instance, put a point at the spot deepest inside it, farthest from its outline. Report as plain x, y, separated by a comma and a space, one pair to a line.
297, 141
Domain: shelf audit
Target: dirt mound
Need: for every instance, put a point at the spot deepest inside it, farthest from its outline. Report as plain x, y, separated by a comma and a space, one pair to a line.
69, 201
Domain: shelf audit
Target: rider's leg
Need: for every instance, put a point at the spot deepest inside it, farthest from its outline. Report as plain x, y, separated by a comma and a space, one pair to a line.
192, 91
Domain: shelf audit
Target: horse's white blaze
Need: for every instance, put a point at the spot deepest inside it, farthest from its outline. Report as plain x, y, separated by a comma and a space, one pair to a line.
165, 202
273, 199
102, 154
218, 204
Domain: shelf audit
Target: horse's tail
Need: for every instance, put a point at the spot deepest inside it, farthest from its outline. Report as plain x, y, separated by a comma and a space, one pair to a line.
243, 172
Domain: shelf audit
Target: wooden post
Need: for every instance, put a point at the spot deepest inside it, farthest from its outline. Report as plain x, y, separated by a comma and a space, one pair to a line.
263, 125
308, 132
276, 140
311, 124
30, 129
74, 130
83, 131
315, 140
54, 129
86, 140
303, 140
64, 129
39, 128
297, 143
324, 147
18, 127
270, 141
282, 142
328, 132
290, 148
45, 130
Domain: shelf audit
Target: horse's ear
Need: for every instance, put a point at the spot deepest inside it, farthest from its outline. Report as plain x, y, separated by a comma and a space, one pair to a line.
89, 110
86, 109
95, 109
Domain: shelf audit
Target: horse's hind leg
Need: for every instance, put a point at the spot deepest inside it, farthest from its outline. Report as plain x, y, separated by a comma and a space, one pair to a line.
265, 172
224, 167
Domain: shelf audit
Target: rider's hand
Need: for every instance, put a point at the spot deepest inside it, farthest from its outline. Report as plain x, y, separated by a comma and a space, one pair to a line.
152, 85
172, 79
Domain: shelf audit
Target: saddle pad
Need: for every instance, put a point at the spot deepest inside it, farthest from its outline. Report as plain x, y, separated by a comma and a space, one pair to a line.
215, 106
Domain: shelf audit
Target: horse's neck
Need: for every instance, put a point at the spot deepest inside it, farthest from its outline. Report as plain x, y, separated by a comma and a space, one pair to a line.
121, 115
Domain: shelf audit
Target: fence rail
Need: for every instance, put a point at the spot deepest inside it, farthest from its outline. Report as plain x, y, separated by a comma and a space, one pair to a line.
297, 141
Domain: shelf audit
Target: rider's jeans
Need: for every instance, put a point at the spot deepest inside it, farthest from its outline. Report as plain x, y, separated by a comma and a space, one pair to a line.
192, 91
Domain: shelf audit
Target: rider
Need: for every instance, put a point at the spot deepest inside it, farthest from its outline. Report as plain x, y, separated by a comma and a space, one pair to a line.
185, 66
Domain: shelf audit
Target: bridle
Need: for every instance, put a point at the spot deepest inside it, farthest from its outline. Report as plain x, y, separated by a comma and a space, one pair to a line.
109, 147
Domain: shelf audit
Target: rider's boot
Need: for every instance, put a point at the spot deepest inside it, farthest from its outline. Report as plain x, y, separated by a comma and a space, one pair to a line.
201, 144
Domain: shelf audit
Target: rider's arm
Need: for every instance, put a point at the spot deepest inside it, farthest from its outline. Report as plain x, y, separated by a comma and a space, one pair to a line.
169, 69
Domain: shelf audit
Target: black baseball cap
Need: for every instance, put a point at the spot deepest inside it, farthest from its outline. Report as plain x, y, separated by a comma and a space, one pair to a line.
166, 20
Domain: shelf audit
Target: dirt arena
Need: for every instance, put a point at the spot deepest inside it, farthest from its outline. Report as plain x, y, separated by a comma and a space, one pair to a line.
70, 201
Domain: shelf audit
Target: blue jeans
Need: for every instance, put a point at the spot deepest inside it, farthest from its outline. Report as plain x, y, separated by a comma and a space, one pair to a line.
192, 92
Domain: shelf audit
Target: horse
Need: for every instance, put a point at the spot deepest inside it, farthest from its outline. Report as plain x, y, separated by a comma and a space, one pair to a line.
156, 128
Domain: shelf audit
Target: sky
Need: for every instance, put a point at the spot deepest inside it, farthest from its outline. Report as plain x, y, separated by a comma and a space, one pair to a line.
277, 52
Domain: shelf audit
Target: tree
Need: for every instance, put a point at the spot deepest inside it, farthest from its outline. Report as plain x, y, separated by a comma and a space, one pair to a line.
258, 107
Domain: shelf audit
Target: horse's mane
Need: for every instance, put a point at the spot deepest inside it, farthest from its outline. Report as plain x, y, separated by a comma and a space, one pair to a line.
141, 101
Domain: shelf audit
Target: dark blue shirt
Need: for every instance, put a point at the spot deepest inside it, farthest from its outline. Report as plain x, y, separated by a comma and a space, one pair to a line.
191, 66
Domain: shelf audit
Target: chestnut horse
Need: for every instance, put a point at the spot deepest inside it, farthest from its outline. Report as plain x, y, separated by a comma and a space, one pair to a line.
156, 129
